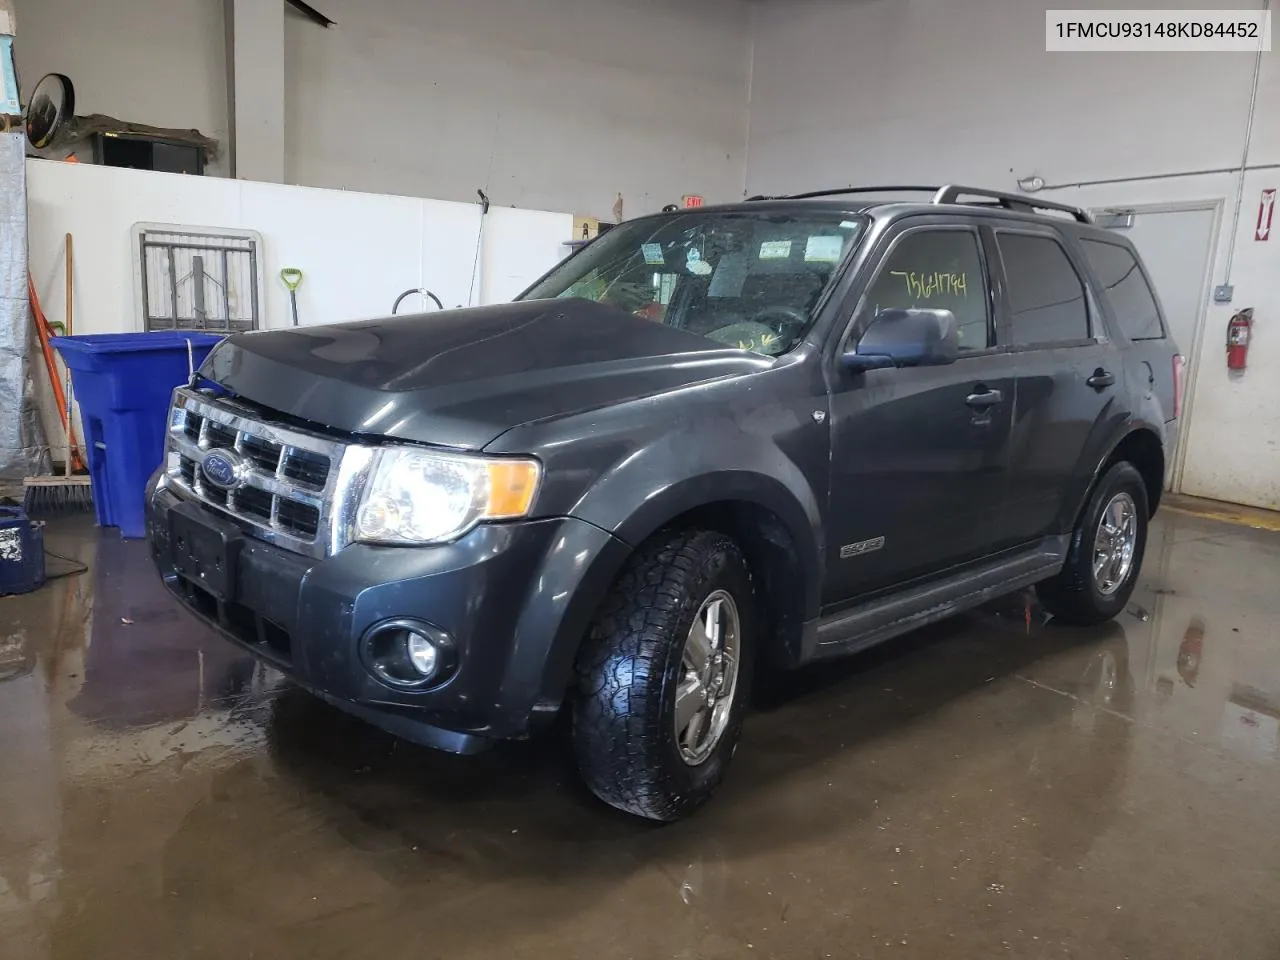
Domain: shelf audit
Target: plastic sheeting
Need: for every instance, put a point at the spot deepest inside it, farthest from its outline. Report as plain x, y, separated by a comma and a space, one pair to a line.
23, 451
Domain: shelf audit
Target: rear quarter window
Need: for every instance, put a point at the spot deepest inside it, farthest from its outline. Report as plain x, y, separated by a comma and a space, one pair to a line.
1126, 287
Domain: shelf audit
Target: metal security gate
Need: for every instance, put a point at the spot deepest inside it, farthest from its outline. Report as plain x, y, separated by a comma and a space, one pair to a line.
197, 278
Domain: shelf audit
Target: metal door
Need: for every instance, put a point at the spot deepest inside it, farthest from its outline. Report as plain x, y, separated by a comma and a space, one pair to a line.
919, 455
1176, 244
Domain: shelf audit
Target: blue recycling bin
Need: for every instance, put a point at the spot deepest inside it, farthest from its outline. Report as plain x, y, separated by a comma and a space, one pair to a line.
123, 383
21, 552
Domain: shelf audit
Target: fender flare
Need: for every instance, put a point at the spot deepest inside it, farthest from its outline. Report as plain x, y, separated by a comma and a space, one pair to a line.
626, 507
644, 494
1123, 433
802, 520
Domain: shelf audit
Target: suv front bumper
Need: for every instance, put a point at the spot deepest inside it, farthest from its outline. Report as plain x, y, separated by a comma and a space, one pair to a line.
515, 598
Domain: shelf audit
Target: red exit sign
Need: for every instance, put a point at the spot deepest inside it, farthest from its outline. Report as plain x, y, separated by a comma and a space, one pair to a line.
692, 200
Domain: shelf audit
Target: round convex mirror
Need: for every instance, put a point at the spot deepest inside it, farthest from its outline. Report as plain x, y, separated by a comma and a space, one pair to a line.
52, 105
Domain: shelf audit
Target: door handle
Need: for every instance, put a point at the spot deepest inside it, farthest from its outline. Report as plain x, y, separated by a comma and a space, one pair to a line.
1101, 379
984, 399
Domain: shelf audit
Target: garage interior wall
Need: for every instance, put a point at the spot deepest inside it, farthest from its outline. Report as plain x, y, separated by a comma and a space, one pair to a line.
903, 91
421, 243
562, 104
158, 62
926, 91
556, 105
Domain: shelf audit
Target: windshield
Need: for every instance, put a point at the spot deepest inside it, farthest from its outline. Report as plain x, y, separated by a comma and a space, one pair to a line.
744, 279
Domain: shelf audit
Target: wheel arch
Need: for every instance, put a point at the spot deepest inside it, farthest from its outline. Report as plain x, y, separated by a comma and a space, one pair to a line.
778, 527
1143, 448
777, 532
1140, 444
784, 561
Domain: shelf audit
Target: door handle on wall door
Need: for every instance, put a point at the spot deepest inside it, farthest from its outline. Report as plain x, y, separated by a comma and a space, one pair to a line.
1100, 379
982, 399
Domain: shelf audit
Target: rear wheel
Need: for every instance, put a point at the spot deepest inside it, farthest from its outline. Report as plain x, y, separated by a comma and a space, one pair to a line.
1105, 554
664, 675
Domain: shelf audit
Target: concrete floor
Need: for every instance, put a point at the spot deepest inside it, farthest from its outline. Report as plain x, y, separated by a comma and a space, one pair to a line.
989, 787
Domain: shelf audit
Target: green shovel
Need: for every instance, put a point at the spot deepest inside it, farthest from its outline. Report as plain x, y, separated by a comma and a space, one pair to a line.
292, 278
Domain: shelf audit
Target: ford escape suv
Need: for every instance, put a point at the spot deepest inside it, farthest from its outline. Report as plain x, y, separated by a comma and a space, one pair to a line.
712, 442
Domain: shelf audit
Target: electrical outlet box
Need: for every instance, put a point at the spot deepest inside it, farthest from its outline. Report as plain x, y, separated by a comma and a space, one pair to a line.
1223, 293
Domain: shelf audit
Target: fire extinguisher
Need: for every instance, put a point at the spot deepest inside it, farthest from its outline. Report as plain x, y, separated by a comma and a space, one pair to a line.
1238, 329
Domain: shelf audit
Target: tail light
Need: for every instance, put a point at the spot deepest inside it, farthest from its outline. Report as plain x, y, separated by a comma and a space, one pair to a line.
1179, 375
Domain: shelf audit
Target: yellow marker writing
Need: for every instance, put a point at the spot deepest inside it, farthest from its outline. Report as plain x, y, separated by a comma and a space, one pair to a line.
926, 286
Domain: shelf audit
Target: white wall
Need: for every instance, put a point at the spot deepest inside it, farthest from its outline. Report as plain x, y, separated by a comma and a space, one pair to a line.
926, 91
257, 86
550, 104
565, 103
159, 62
358, 252
906, 91
1232, 423
547, 104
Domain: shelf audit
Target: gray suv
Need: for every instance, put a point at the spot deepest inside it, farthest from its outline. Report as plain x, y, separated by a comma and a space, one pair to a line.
711, 443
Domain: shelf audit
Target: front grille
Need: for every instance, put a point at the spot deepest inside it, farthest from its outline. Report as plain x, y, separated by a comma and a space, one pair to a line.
264, 454
286, 488
301, 465
300, 517
218, 435
256, 503
306, 468
214, 495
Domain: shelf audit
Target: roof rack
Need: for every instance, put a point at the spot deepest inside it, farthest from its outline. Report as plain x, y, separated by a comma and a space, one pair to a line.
1010, 201
842, 191
948, 194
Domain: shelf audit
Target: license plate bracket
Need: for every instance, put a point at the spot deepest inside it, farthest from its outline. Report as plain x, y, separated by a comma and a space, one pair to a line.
205, 550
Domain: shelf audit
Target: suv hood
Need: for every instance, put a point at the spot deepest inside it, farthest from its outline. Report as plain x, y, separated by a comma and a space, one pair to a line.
461, 378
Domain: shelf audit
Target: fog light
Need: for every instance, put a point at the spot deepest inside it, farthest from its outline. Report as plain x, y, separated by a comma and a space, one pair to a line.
422, 654
408, 653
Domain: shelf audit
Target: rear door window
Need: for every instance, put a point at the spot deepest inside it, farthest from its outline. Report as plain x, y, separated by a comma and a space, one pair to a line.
938, 270
1046, 296
1126, 287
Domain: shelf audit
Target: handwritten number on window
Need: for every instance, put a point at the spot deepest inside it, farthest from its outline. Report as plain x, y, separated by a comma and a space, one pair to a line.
926, 286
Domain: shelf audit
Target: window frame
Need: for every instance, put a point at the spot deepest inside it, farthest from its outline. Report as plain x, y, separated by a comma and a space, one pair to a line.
1096, 330
859, 320
1105, 299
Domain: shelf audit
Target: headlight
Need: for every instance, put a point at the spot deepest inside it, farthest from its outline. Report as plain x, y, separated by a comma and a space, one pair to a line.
420, 496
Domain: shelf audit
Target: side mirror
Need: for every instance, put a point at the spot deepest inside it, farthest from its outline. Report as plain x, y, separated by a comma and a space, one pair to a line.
906, 338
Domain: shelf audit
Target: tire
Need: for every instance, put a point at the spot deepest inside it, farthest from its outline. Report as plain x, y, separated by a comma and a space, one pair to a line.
1076, 596
632, 669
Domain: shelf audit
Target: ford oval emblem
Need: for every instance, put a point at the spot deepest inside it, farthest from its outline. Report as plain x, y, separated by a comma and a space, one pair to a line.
225, 469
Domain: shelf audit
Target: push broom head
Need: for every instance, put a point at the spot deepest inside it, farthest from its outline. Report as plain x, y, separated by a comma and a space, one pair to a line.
44, 497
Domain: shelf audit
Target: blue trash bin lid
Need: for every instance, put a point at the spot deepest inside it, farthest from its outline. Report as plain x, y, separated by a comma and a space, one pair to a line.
133, 342
90, 351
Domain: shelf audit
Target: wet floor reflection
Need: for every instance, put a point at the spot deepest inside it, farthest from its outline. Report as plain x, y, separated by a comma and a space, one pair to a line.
993, 785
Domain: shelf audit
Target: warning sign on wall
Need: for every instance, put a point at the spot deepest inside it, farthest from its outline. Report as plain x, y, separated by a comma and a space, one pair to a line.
1266, 211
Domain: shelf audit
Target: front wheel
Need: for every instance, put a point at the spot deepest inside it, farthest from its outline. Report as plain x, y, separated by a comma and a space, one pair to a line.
664, 675
1105, 553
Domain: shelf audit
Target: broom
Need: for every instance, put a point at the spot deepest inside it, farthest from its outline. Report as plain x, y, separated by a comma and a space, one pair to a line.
66, 494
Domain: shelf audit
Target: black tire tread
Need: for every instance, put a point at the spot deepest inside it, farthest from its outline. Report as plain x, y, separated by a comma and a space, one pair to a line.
618, 714
1070, 596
